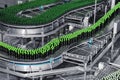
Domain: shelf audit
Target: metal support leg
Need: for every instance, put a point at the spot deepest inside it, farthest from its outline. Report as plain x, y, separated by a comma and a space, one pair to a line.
9, 40
31, 72
95, 11
113, 42
33, 78
115, 31
14, 67
42, 41
51, 66
22, 41
112, 48
112, 3
91, 64
51, 63
112, 51
41, 78
105, 9
2, 37
32, 39
85, 73
8, 76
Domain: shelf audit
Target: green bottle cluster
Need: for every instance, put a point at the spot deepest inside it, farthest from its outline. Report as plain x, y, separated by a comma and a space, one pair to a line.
56, 43
112, 76
9, 16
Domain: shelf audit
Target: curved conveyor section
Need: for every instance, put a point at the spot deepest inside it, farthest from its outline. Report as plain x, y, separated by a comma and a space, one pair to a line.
36, 31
